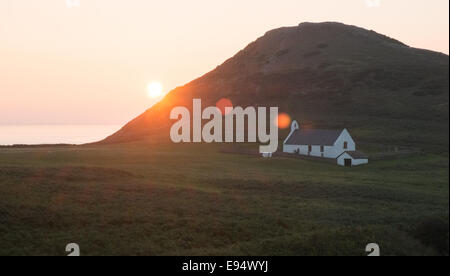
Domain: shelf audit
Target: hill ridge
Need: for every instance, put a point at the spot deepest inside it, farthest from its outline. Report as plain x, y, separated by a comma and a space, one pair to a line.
326, 74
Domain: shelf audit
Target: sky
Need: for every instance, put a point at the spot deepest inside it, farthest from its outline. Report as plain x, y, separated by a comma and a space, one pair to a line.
90, 61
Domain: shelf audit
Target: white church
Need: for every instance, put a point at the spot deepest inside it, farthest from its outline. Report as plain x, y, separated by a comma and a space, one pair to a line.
333, 144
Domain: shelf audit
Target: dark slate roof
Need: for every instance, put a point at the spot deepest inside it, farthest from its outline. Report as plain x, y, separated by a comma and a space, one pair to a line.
356, 154
314, 137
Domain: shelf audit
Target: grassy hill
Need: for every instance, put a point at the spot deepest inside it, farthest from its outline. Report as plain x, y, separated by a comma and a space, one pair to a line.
327, 75
161, 199
135, 193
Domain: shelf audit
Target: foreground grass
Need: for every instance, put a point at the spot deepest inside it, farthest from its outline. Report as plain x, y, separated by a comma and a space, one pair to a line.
142, 199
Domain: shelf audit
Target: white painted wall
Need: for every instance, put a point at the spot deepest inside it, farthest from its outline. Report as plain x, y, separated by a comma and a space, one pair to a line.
294, 148
338, 147
355, 162
294, 127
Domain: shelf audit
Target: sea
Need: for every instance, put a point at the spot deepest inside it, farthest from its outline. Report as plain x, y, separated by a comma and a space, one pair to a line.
54, 134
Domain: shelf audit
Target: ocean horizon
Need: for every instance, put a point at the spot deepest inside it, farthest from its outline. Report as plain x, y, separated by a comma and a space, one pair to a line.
54, 134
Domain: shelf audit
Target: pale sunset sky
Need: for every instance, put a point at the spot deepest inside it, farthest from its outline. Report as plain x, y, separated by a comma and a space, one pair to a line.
91, 64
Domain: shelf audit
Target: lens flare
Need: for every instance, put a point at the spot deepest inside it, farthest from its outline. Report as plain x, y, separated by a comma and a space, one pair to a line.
222, 104
283, 121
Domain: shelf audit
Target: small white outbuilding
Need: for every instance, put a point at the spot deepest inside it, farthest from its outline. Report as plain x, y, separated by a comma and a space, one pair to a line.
352, 158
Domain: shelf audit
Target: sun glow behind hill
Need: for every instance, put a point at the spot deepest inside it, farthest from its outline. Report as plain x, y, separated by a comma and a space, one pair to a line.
155, 90
104, 51
324, 74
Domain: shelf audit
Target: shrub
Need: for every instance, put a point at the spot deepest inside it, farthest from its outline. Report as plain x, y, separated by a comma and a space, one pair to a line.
434, 232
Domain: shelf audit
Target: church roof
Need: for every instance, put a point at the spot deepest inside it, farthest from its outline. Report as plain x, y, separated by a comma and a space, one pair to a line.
356, 154
314, 137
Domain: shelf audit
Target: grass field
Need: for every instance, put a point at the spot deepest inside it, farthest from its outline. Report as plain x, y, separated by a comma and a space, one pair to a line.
144, 199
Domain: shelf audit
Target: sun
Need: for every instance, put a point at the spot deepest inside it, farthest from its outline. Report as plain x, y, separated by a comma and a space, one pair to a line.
154, 90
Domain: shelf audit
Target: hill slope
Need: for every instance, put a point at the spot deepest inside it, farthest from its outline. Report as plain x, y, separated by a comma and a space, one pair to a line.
326, 75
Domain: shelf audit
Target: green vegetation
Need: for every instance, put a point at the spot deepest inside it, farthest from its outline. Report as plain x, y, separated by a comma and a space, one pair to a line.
165, 199
147, 199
